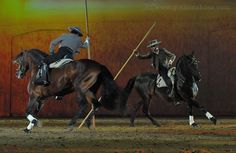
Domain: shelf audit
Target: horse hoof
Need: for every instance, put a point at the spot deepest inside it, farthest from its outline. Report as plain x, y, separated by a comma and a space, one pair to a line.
72, 123
70, 128
27, 131
214, 120
131, 125
195, 125
157, 124
35, 122
88, 124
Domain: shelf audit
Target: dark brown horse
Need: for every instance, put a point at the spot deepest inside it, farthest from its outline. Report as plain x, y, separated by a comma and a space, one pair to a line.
83, 77
185, 89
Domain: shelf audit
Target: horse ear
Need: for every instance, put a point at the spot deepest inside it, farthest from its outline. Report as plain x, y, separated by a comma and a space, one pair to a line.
23, 50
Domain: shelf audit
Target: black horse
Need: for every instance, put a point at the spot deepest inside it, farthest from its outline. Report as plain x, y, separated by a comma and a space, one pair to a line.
83, 77
185, 89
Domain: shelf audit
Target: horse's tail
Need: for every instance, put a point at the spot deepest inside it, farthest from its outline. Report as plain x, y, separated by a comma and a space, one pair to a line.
110, 91
127, 90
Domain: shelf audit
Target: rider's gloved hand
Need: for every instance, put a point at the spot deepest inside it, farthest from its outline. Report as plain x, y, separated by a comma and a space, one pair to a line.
87, 40
136, 53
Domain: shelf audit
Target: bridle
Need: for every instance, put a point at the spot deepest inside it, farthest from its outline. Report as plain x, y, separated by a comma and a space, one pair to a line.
21, 70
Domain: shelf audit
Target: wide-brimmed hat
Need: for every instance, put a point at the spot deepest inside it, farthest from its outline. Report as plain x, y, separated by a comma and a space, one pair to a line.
153, 43
75, 30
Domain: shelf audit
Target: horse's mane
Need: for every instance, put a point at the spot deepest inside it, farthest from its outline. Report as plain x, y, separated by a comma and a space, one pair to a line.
19, 55
179, 61
38, 52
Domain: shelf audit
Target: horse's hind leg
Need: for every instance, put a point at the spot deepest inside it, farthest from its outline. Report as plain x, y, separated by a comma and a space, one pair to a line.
134, 112
83, 105
91, 98
147, 113
204, 110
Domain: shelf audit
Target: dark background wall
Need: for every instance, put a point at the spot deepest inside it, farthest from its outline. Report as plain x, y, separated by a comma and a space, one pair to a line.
208, 28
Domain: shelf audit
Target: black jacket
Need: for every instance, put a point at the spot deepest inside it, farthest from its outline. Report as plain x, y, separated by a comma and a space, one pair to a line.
160, 60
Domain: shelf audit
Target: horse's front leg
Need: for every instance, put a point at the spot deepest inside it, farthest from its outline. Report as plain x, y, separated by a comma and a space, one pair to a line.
191, 117
134, 112
146, 105
32, 109
204, 110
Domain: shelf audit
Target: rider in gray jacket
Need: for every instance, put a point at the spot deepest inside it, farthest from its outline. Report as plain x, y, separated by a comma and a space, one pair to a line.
69, 46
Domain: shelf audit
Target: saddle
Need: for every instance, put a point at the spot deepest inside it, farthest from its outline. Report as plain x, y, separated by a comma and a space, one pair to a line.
60, 63
161, 82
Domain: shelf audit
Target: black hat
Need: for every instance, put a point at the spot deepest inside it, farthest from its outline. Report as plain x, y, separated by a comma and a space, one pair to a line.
75, 30
153, 43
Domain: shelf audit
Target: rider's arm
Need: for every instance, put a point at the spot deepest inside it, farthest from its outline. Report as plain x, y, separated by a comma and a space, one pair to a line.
172, 59
171, 55
54, 43
145, 56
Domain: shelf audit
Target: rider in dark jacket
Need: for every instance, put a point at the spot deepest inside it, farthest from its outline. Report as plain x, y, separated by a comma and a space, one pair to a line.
162, 60
69, 45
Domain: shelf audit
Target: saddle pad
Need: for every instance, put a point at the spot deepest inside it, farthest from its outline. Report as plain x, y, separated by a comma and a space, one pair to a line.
160, 82
60, 63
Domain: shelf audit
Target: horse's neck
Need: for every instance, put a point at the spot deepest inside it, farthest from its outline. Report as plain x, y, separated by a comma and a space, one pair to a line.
182, 77
34, 70
34, 64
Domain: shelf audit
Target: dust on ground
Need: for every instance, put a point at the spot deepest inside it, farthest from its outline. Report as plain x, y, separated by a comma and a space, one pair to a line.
114, 135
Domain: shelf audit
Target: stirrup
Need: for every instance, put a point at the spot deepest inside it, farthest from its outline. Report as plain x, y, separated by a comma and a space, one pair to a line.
177, 103
41, 82
58, 97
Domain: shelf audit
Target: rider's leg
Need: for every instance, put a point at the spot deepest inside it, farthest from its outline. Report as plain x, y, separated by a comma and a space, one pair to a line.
170, 89
42, 75
168, 83
64, 52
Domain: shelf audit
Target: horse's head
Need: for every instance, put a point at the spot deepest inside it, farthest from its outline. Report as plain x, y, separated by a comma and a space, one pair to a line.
28, 59
23, 64
190, 66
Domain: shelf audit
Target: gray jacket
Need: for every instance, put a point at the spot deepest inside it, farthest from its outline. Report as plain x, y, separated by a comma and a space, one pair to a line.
73, 41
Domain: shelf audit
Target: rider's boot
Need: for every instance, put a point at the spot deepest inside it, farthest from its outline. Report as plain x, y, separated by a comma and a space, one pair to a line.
42, 76
171, 93
172, 96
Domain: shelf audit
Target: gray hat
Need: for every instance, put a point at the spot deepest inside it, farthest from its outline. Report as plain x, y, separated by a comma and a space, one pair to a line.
75, 30
153, 43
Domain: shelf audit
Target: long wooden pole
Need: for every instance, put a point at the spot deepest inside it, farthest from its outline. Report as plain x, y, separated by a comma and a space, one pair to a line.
150, 29
118, 73
89, 51
87, 26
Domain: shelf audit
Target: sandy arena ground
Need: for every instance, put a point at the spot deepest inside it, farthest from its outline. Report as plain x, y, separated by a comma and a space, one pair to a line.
114, 135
